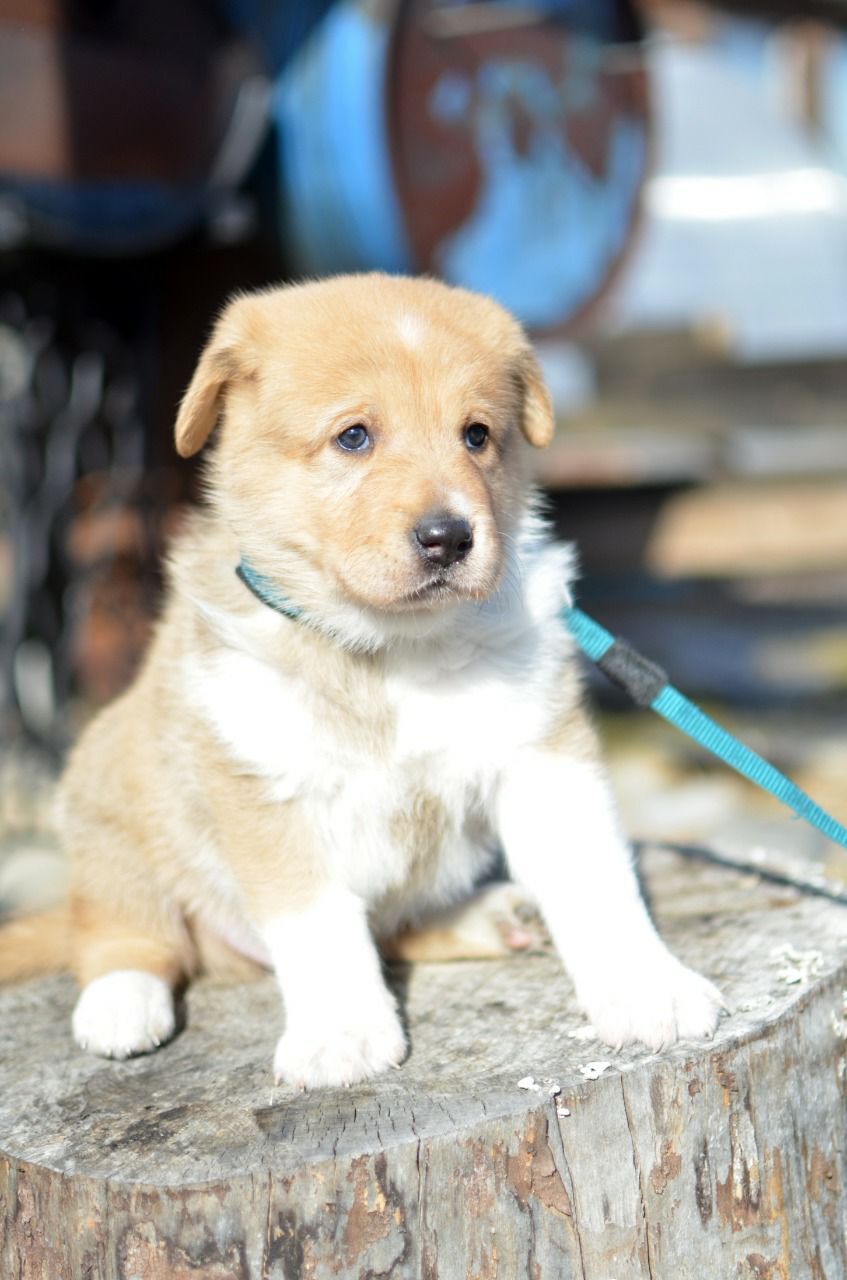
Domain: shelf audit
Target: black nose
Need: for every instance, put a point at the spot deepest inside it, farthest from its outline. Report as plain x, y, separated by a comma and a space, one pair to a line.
442, 539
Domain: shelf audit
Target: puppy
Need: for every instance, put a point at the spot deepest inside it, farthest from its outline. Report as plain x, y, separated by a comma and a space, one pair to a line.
325, 750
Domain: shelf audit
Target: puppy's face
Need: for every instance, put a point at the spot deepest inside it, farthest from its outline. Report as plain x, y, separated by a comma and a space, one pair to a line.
370, 437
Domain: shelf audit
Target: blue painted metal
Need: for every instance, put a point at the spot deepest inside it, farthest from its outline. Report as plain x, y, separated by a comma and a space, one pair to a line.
275, 28
106, 217
545, 227
340, 211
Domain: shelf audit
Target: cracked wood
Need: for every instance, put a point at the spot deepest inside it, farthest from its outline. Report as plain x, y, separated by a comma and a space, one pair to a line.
714, 1159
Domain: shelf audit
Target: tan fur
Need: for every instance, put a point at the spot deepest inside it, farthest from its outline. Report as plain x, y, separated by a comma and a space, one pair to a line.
148, 787
420, 826
434, 945
170, 787
247, 822
35, 944
570, 730
287, 790
260, 366
494, 922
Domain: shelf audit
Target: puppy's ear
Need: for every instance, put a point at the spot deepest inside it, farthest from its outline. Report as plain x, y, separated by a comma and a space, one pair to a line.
224, 359
537, 422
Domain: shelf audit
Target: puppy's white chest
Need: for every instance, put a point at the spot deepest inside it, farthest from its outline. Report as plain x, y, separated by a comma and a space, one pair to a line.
460, 713
475, 700
464, 722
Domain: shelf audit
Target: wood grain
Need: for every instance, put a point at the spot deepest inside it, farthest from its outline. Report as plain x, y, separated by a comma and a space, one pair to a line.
720, 1159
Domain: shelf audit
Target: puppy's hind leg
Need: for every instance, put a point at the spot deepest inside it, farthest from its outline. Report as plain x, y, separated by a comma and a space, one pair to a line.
498, 920
129, 965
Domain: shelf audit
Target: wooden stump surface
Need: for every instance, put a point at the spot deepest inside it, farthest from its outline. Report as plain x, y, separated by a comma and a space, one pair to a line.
715, 1160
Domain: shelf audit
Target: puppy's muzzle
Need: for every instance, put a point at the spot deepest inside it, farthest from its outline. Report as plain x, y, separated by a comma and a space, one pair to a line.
441, 539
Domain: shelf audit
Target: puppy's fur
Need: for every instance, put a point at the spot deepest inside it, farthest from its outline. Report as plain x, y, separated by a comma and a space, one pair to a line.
290, 792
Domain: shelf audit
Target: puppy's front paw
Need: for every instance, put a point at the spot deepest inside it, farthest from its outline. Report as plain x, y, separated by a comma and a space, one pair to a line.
124, 1013
331, 1053
656, 1003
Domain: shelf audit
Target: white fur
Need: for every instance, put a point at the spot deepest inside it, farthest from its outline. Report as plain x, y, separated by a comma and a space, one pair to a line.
456, 501
478, 687
463, 702
470, 699
123, 1013
341, 1022
563, 843
411, 329
260, 715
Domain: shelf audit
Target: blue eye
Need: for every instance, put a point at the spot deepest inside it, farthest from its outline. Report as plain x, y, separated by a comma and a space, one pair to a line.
354, 439
476, 436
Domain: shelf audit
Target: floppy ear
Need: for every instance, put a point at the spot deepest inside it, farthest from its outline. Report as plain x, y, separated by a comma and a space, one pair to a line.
537, 422
221, 362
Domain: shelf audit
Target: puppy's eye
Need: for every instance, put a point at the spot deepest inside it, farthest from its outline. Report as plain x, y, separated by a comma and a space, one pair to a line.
354, 439
476, 436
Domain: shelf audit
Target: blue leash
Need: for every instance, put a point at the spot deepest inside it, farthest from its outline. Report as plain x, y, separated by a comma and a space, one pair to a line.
648, 686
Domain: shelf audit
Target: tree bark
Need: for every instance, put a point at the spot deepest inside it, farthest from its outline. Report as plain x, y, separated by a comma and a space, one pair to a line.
721, 1159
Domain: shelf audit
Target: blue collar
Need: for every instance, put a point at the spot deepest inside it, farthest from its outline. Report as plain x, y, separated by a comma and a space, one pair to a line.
263, 589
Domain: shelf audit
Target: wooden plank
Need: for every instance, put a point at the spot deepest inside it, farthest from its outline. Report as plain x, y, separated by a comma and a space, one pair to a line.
713, 1159
742, 529
672, 406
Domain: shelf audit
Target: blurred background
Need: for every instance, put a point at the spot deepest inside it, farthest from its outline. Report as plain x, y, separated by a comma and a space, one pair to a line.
657, 189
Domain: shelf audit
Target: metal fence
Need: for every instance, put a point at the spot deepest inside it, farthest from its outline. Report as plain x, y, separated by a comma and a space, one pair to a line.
82, 499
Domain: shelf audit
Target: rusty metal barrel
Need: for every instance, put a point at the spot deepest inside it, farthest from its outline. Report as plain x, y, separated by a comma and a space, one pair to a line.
500, 147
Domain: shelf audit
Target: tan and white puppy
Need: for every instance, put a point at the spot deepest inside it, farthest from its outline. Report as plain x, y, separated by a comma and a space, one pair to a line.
294, 791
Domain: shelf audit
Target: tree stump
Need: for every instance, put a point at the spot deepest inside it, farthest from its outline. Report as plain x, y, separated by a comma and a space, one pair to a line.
718, 1160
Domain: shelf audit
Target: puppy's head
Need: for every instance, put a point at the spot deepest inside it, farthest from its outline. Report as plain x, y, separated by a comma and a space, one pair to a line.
370, 438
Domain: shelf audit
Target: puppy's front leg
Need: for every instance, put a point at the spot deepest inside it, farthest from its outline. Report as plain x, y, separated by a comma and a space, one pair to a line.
563, 842
341, 1022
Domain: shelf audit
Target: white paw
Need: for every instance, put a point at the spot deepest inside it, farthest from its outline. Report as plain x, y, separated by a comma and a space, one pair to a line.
656, 1003
331, 1053
124, 1013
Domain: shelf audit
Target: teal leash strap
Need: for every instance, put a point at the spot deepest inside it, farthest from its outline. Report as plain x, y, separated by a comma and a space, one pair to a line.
649, 686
